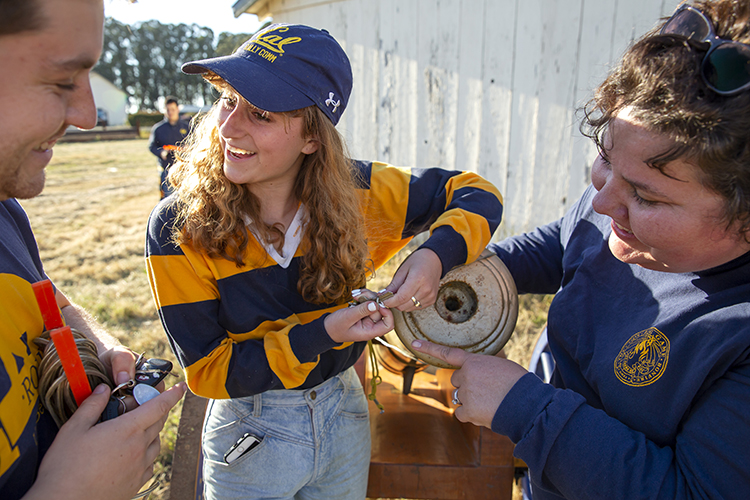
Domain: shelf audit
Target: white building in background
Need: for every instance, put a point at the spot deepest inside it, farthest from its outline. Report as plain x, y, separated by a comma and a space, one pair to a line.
490, 86
110, 99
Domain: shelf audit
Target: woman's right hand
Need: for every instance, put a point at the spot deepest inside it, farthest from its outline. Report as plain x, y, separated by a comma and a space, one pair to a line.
481, 381
362, 322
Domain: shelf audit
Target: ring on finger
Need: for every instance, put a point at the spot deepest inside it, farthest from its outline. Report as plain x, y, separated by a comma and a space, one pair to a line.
455, 399
121, 407
416, 302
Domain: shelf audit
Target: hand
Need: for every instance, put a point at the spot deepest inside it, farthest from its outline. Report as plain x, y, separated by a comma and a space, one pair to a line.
113, 459
362, 322
417, 277
120, 361
482, 381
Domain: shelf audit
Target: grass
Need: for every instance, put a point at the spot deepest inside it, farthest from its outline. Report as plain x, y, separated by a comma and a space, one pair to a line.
90, 225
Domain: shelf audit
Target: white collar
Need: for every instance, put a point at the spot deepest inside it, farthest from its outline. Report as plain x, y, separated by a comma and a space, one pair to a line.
292, 238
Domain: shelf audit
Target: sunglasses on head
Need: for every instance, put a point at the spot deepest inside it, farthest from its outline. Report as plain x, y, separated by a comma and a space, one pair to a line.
726, 65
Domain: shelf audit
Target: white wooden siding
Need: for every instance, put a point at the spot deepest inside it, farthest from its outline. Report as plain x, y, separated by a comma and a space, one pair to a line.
490, 86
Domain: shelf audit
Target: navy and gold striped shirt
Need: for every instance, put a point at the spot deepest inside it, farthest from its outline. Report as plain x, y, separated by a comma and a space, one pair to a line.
242, 331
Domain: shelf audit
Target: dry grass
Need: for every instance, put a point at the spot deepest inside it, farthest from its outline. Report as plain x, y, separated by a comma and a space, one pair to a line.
90, 224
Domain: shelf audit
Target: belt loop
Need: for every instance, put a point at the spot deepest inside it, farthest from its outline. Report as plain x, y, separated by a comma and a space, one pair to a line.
257, 403
344, 378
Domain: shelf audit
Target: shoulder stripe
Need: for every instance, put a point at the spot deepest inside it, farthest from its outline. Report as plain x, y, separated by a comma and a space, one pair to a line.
160, 225
362, 171
166, 270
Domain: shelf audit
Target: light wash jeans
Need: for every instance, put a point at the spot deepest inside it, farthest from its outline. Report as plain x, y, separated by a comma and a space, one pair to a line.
315, 444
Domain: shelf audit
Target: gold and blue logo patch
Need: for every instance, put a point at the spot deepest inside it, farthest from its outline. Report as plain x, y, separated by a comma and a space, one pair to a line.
643, 358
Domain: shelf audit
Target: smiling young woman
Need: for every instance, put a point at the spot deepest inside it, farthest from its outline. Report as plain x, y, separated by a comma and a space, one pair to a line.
254, 257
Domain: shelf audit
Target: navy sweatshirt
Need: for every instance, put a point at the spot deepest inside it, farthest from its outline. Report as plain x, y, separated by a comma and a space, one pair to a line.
651, 392
166, 134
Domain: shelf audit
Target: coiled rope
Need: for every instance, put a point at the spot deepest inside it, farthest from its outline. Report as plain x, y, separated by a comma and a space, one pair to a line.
53, 384
54, 387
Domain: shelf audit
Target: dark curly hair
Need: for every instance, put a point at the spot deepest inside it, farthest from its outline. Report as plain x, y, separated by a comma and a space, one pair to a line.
659, 79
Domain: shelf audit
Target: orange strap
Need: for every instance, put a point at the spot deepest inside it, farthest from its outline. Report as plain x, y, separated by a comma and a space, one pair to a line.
63, 339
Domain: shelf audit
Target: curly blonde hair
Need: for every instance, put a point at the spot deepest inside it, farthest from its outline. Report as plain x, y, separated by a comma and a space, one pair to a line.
211, 210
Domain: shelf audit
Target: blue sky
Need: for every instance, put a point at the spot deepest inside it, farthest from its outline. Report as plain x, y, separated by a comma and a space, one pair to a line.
215, 14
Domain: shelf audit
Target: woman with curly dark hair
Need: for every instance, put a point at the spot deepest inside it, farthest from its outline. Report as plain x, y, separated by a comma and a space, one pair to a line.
650, 325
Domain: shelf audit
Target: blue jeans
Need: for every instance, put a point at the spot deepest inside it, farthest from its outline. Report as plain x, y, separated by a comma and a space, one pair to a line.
314, 444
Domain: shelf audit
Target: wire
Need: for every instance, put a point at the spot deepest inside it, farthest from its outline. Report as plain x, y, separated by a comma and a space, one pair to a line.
397, 349
54, 387
375, 380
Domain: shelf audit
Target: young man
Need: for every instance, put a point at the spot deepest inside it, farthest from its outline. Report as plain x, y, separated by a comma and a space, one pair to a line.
47, 49
166, 134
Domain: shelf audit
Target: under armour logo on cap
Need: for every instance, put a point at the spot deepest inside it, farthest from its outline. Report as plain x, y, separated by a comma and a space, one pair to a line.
330, 101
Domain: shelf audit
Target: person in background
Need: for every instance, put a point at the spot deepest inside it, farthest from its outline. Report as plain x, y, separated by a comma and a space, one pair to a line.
164, 141
650, 324
271, 230
47, 49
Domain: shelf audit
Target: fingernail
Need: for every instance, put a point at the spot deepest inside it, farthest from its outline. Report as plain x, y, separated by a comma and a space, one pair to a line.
382, 291
417, 344
356, 292
372, 307
100, 389
122, 377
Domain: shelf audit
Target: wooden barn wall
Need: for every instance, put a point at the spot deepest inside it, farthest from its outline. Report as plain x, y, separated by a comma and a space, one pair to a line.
490, 86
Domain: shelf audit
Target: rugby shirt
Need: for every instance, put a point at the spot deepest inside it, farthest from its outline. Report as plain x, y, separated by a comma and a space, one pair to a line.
239, 331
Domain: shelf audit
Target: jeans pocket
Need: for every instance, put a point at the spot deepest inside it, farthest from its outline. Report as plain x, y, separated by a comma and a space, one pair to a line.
354, 403
225, 424
275, 468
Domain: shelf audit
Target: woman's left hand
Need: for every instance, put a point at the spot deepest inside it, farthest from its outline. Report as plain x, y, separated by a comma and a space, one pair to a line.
360, 323
416, 282
482, 381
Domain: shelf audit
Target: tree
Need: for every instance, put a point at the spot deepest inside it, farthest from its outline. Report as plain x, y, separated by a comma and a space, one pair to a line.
229, 42
144, 59
116, 63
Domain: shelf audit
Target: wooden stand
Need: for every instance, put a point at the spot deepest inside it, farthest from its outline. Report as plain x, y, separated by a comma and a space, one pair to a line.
421, 451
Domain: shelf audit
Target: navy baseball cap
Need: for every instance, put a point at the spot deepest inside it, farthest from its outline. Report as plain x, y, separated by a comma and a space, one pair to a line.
286, 67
